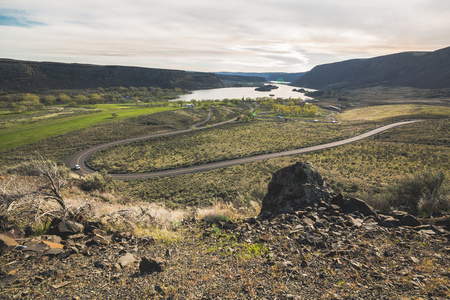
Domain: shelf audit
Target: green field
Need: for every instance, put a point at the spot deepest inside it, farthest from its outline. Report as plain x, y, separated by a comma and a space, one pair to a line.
37, 129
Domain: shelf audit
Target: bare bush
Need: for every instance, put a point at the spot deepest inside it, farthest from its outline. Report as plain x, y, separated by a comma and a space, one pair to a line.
31, 199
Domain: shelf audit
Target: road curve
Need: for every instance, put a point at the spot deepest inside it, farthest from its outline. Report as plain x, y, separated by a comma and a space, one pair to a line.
80, 158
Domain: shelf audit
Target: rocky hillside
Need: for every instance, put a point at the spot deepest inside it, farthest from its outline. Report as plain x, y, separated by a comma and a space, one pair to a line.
31, 76
307, 243
429, 70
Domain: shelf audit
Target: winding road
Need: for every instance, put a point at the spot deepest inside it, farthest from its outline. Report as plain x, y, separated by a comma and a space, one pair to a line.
81, 157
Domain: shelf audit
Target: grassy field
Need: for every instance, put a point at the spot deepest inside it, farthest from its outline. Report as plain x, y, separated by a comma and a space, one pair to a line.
363, 169
38, 128
60, 147
227, 142
383, 112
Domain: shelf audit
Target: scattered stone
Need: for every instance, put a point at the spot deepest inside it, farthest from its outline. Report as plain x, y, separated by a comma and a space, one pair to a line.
101, 265
60, 285
7, 243
359, 206
53, 252
7, 280
285, 264
98, 240
126, 259
122, 236
53, 245
65, 229
15, 232
149, 265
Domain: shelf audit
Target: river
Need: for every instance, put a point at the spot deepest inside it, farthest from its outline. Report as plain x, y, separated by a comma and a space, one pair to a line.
283, 91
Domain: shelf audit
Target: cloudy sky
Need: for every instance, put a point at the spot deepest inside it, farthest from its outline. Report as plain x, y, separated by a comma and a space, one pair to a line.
216, 35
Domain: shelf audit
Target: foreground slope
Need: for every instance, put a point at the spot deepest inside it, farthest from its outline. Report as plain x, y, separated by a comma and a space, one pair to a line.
429, 70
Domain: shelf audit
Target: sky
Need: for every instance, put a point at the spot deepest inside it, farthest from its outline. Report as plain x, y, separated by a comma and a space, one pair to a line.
217, 35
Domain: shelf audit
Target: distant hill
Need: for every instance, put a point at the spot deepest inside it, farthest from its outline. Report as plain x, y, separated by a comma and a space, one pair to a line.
270, 76
25, 76
430, 70
240, 80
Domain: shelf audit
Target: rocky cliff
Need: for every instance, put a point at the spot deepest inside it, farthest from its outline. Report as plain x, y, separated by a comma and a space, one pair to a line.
430, 70
31, 76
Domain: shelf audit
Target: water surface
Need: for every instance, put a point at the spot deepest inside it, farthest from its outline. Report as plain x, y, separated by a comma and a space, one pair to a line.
283, 91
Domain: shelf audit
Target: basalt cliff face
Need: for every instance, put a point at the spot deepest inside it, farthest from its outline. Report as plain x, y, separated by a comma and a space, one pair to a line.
31, 76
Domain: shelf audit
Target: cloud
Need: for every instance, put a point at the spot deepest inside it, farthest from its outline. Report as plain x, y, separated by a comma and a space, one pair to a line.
251, 35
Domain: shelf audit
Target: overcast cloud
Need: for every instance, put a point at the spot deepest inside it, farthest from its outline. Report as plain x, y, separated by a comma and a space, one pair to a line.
211, 35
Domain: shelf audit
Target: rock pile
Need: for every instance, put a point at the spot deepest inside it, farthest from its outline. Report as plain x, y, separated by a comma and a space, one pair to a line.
67, 239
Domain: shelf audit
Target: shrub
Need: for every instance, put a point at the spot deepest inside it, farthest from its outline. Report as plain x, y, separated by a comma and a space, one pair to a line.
216, 219
423, 193
97, 181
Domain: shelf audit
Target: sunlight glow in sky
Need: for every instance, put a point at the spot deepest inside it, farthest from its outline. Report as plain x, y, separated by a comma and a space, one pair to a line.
207, 35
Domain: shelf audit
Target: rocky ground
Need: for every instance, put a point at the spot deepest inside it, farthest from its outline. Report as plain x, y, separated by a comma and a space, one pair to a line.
334, 249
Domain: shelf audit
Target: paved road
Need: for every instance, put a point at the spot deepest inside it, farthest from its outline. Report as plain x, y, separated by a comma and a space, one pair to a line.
81, 157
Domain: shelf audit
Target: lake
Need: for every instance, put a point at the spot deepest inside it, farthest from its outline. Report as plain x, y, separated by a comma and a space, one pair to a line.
283, 91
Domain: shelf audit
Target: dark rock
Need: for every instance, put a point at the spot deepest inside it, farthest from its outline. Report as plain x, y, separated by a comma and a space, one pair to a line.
65, 229
388, 225
50, 272
16, 233
53, 252
50, 238
122, 236
295, 187
98, 240
390, 220
409, 220
37, 247
359, 206
101, 265
148, 265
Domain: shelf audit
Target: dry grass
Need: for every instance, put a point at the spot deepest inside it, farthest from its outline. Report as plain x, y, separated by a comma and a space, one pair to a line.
228, 210
378, 113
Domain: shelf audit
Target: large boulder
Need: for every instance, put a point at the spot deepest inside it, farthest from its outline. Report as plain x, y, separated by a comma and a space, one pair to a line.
294, 188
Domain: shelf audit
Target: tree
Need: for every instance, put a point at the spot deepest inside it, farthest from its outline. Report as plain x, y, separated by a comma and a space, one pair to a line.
81, 99
49, 99
31, 101
63, 98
